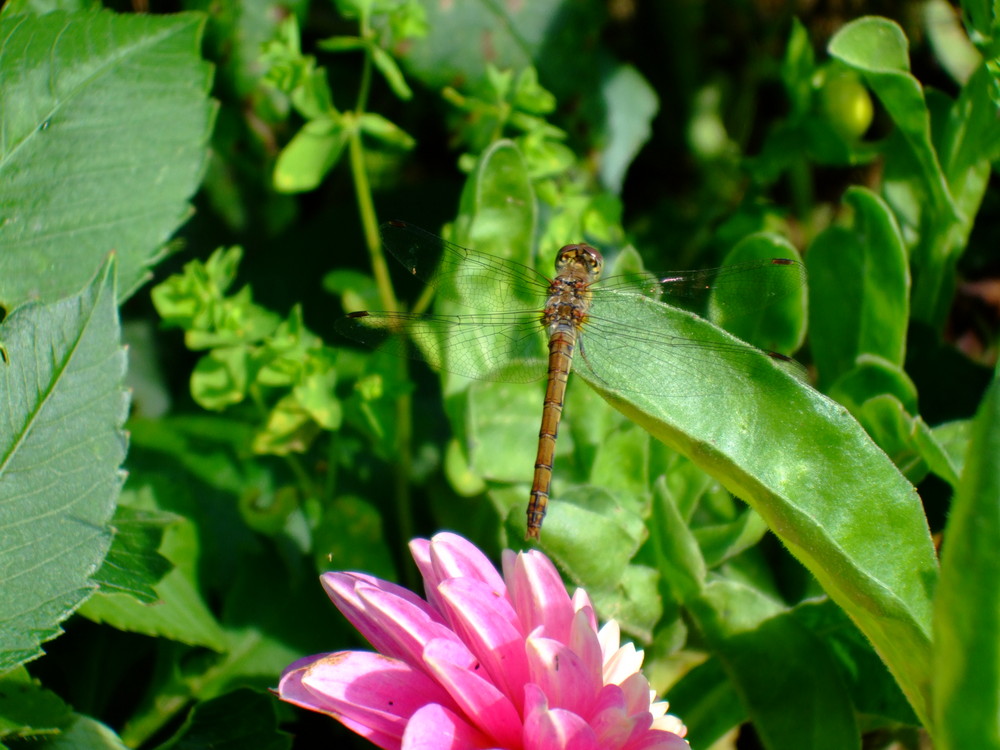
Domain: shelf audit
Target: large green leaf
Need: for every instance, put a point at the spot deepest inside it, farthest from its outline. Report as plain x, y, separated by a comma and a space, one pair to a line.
61, 445
104, 122
822, 485
967, 609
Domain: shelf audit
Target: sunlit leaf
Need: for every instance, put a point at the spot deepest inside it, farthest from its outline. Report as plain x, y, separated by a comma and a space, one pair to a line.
967, 610
106, 120
794, 456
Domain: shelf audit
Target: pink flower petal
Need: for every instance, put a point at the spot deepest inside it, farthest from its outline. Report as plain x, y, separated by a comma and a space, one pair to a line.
464, 590
581, 603
343, 588
454, 557
458, 672
583, 641
305, 661
405, 629
658, 740
539, 596
487, 662
636, 692
557, 729
562, 675
434, 727
371, 694
482, 623
610, 720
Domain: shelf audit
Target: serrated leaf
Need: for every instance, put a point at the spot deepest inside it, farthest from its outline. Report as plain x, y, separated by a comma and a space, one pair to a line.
87, 163
180, 612
61, 446
133, 565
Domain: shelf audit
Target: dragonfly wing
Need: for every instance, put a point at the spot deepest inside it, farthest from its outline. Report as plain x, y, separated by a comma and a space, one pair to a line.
505, 346
738, 288
476, 280
631, 343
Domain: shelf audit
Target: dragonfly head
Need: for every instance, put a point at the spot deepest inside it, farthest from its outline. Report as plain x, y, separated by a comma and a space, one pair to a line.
580, 261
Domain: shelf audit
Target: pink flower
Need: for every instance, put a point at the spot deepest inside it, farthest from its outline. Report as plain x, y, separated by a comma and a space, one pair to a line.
487, 661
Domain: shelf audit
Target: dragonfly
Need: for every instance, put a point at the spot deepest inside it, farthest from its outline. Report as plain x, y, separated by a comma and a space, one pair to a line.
515, 313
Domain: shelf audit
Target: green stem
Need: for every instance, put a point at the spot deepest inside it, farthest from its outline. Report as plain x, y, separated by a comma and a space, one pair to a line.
404, 405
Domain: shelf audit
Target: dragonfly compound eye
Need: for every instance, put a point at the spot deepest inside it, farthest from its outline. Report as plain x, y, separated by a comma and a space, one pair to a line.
580, 260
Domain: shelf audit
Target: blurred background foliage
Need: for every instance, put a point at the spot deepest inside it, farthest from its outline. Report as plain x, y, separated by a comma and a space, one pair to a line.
267, 448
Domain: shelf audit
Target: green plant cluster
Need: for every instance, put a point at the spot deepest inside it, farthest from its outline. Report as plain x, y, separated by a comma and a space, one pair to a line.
181, 460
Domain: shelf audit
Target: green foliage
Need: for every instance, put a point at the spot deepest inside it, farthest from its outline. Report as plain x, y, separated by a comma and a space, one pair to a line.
81, 177
62, 446
283, 366
769, 522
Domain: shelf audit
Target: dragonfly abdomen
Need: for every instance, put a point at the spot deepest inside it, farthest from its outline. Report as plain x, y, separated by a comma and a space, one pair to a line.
561, 345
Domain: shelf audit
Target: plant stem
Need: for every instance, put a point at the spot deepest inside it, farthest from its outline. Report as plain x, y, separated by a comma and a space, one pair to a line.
404, 405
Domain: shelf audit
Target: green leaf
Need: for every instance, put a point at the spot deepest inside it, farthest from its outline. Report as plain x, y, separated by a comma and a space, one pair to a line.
774, 326
621, 462
313, 152
676, 550
342, 44
631, 104
220, 378
496, 445
797, 68
62, 444
967, 610
829, 493
497, 215
393, 75
953, 49
180, 613
27, 709
241, 720
88, 161
350, 536
133, 565
797, 700
877, 48
859, 283
85, 733
874, 376
723, 541
385, 131
707, 700
872, 689
289, 429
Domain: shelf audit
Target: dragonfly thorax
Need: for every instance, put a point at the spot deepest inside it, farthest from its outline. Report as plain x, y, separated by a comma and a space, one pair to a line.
581, 262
